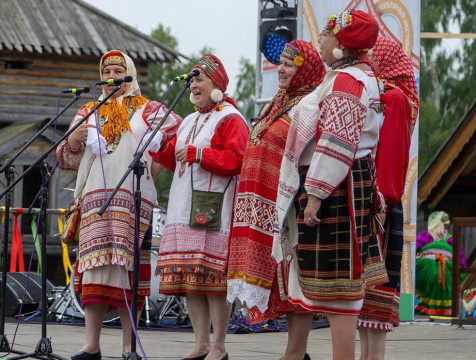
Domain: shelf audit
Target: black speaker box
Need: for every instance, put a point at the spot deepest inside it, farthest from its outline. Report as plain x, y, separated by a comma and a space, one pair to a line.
16, 284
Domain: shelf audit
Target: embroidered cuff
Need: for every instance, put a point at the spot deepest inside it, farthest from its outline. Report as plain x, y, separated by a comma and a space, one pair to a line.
70, 149
321, 194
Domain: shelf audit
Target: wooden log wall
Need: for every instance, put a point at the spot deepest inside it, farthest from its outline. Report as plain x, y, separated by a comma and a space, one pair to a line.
30, 83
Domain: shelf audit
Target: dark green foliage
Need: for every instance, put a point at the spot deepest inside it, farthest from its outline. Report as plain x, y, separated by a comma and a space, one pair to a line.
447, 73
245, 89
160, 76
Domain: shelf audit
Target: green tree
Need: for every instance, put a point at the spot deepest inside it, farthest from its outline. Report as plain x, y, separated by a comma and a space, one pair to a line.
447, 76
159, 79
245, 88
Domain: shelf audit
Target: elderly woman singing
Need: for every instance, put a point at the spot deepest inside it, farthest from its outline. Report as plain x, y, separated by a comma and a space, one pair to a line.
106, 245
206, 155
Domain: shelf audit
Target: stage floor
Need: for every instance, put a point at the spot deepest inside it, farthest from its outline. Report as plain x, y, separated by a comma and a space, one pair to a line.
422, 339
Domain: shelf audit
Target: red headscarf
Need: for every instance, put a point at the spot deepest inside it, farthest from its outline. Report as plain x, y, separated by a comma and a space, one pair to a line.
354, 29
309, 75
213, 67
395, 69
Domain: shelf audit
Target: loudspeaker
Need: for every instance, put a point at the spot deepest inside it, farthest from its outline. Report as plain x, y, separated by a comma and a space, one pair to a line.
16, 283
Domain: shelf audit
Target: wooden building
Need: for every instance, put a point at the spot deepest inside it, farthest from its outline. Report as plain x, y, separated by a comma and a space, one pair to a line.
47, 46
449, 181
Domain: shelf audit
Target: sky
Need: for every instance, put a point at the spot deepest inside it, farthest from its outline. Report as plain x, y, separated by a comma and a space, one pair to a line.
228, 26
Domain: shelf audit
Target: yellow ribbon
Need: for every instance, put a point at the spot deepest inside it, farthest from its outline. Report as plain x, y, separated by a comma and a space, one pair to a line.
66, 260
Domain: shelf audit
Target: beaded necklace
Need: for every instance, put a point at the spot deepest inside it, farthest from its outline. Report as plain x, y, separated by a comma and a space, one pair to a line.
193, 135
345, 62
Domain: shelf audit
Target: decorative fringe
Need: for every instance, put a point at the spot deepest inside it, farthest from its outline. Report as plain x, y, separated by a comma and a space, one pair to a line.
115, 117
182, 270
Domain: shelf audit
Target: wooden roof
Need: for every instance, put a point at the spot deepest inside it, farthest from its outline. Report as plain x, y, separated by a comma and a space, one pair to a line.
73, 27
454, 163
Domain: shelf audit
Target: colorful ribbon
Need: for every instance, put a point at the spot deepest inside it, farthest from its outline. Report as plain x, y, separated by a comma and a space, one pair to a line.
66, 260
17, 246
34, 232
441, 270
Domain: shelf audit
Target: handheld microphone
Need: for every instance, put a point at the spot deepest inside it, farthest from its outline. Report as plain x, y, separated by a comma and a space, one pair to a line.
115, 81
195, 72
76, 91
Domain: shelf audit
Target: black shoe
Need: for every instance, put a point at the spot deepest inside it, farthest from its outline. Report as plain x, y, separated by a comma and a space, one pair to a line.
307, 357
83, 355
201, 357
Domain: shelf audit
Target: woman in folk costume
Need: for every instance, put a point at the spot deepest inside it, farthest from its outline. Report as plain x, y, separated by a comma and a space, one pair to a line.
209, 146
434, 266
380, 311
251, 268
101, 159
325, 190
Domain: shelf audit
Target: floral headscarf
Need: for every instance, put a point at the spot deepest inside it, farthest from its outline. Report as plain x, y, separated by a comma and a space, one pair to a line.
437, 222
309, 75
394, 68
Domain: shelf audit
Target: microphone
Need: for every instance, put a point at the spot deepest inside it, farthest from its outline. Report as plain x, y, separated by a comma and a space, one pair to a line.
195, 72
115, 81
76, 91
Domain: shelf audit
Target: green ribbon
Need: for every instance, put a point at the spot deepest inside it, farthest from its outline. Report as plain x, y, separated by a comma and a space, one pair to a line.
36, 241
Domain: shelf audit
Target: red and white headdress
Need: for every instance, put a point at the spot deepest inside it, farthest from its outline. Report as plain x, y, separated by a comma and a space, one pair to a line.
355, 29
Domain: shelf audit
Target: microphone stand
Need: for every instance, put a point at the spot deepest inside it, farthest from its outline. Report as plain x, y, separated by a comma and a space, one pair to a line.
138, 167
9, 174
43, 349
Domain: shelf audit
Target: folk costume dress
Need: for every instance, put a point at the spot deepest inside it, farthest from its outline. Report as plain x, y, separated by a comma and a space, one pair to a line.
400, 98
251, 267
328, 155
434, 267
194, 260
123, 121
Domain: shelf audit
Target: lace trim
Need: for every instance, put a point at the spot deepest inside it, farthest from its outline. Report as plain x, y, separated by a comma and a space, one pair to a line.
374, 324
248, 294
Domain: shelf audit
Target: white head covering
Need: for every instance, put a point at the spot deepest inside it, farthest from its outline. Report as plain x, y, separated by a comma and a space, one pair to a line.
132, 88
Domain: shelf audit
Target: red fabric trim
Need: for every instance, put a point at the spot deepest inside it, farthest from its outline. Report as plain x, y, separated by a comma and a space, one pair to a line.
348, 84
150, 108
394, 146
356, 266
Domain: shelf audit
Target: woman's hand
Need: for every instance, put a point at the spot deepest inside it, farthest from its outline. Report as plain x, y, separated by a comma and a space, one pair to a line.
311, 210
181, 155
78, 136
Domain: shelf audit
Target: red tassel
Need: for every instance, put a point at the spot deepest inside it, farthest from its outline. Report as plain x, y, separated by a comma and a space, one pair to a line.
17, 246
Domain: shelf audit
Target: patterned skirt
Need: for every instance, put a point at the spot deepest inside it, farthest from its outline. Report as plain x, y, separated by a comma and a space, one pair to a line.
381, 303
339, 259
103, 284
175, 283
334, 262
251, 268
